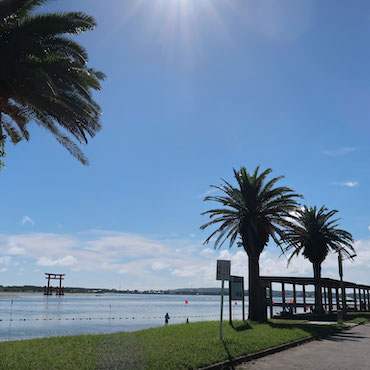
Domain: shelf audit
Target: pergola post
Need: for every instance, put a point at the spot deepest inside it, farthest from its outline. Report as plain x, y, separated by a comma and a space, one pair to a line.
359, 299
271, 300
334, 294
344, 298
330, 296
364, 299
365, 303
337, 297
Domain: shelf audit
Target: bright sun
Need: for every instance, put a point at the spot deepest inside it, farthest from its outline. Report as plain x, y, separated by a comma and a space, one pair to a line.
179, 24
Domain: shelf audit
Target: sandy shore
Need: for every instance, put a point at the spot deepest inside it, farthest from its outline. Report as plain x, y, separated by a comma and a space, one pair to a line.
15, 294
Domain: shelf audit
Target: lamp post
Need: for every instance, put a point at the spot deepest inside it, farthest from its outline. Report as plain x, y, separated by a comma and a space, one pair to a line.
340, 265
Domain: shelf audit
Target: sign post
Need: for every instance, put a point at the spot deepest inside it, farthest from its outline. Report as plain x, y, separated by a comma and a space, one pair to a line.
186, 303
222, 273
236, 293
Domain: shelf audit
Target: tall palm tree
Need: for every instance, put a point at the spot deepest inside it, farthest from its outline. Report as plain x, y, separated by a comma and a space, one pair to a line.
313, 234
44, 76
253, 211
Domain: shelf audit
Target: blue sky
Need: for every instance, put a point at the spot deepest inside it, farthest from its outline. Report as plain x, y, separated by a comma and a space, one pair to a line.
194, 88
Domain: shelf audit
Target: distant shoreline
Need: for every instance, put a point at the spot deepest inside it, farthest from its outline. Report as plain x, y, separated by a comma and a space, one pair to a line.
182, 291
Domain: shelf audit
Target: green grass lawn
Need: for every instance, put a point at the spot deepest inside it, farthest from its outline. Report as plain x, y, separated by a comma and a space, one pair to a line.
358, 317
181, 346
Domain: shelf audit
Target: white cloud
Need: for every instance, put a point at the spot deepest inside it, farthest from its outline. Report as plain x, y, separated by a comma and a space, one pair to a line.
350, 184
188, 271
26, 219
118, 243
159, 266
273, 266
16, 251
340, 151
64, 261
163, 263
224, 255
362, 248
5, 260
4, 269
207, 252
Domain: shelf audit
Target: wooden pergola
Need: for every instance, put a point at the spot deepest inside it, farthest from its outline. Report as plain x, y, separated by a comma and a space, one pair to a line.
48, 290
331, 289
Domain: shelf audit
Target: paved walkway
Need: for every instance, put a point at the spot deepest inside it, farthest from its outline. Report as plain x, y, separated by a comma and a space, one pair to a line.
346, 350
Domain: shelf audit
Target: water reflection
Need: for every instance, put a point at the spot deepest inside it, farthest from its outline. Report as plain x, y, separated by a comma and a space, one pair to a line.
36, 315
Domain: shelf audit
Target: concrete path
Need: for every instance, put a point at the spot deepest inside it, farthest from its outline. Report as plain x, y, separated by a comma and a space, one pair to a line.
349, 349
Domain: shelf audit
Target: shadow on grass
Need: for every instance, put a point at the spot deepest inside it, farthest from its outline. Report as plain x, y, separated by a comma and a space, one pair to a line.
230, 358
240, 326
311, 329
358, 315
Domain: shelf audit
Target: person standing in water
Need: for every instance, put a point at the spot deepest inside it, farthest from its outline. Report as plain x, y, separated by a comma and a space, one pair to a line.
166, 318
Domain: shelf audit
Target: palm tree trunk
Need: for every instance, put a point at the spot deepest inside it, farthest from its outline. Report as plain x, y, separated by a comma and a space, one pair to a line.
256, 293
318, 291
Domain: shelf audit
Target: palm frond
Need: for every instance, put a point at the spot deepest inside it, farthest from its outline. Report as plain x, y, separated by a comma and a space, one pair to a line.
253, 210
44, 75
314, 234
15, 9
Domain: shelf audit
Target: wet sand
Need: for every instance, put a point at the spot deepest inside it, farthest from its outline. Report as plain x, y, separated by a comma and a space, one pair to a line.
14, 294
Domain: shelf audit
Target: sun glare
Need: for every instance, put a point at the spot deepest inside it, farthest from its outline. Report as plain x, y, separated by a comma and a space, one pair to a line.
178, 25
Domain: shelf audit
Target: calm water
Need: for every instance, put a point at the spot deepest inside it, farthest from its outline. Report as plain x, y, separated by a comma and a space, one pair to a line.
36, 315
25, 316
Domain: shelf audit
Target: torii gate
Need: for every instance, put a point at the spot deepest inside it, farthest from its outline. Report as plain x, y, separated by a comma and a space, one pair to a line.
48, 290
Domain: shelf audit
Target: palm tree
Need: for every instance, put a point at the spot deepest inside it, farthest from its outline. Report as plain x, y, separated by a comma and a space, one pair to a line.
44, 77
253, 211
313, 234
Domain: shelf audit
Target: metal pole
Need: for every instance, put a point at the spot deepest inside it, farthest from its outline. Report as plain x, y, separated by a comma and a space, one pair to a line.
222, 307
340, 264
11, 310
230, 314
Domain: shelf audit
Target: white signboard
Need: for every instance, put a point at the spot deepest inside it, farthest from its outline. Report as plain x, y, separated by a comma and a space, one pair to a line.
223, 270
236, 288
